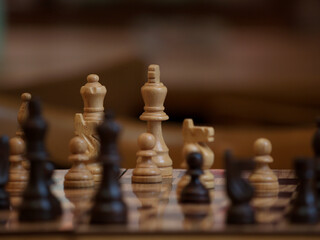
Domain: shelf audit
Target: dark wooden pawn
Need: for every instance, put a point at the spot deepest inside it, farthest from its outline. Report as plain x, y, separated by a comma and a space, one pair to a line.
195, 191
316, 150
4, 172
304, 209
240, 193
38, 203
109, 207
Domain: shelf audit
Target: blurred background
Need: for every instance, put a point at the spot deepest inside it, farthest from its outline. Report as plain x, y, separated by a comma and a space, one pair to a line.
248, 68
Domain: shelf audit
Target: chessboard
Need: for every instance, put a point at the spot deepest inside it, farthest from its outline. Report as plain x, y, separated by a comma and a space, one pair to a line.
155, 212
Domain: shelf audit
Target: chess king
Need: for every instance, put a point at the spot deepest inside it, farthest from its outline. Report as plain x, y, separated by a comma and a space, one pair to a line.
195, 140
93, 94
154, 93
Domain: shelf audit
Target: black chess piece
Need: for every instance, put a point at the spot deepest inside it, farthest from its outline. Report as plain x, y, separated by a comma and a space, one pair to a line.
195, 191
109, 207
49, 169
304, 209
240, 193
38, 203
4, 172
316, 150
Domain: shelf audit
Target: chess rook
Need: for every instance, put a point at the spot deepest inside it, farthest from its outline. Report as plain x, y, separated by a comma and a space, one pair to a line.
109, 207
93, 95
263, 179
4, 172
38, 203
146, 170
154, 94
18, 175
195, 140
78, 176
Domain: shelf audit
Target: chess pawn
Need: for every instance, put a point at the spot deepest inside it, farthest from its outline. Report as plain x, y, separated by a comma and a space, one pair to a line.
109, 206
78, 176
18, 176
195, 192
304, 209
153, 94
263, 179
146, 170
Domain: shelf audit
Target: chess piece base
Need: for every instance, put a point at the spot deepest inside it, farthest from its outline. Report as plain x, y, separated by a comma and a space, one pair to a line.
109, 213
240, 214
166, 172
147, 179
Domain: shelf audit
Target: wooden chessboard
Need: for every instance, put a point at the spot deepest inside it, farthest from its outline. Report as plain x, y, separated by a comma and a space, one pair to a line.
154, 212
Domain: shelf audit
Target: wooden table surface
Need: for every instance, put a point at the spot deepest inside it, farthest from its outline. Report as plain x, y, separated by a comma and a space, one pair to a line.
154, 212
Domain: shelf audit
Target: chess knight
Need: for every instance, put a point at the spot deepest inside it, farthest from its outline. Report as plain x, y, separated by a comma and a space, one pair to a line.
195, 140
93, 94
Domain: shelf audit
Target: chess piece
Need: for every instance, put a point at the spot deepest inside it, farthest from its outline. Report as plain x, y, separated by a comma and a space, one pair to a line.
22, 116
38, 203
304, 209
153, 94
146, 170
4, 172
109, 207
195, 192
195, 140
263, 179
240, 193
316, 150
23, 113
18, 175
78, 176
93, 94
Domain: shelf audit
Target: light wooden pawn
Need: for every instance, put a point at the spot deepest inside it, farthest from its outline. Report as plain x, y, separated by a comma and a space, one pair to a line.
146, 170
263, 179
78, 176
18, 175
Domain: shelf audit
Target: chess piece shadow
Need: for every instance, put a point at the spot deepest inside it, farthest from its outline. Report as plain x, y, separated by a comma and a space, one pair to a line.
197, 217
148, 195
